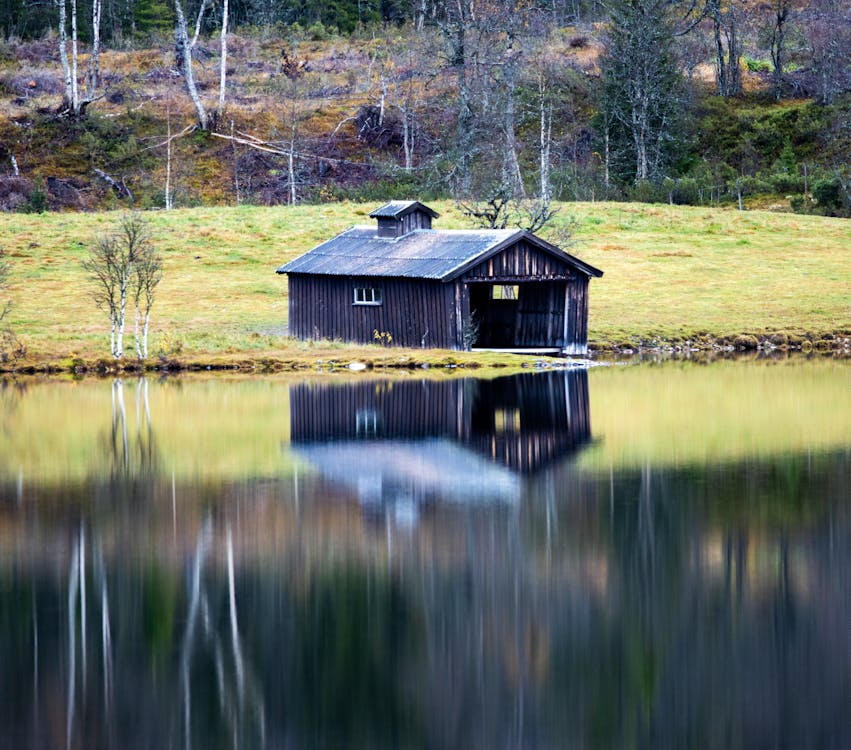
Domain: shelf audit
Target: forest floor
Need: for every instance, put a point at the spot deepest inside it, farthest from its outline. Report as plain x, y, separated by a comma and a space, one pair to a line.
676, 278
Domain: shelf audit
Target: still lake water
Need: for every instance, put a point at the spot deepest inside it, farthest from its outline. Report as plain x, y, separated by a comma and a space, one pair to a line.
631, 557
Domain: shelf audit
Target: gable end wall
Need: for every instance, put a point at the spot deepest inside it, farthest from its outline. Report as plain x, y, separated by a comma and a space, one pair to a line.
521, 262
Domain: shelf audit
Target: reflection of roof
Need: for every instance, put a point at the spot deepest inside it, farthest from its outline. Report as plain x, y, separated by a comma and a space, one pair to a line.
425, 468
423, 253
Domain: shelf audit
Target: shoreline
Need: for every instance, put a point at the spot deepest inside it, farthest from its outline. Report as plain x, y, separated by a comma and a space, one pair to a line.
354, 358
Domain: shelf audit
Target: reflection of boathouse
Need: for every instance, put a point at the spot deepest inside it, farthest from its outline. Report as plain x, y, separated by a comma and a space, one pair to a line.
459, 438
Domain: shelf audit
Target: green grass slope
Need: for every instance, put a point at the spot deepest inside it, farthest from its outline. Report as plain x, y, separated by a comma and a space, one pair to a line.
671, 273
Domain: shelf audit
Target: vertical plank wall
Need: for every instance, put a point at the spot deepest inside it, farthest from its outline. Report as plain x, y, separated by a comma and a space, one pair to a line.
415, 312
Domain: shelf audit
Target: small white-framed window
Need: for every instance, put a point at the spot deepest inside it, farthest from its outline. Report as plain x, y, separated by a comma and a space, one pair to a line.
505, 291
367, 295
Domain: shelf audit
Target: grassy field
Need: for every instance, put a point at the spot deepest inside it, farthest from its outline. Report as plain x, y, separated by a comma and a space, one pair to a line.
671, 273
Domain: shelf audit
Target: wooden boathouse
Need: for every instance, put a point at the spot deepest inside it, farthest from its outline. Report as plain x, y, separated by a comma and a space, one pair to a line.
448, 289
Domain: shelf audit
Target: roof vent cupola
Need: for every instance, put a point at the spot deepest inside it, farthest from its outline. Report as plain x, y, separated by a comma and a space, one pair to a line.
398, 218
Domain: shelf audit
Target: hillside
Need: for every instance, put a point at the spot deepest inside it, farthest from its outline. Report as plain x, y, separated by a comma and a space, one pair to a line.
672, 274
379, 111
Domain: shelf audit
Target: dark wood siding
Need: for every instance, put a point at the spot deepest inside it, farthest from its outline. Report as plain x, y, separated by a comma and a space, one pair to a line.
576, 338
415, 312
390, 226
521, 262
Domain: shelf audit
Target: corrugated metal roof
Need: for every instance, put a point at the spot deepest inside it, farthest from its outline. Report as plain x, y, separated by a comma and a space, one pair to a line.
421, 254
395, 209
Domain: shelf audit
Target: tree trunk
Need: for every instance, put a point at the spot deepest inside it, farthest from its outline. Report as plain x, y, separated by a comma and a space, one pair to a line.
119, 334
168, 200
546, 141
137, 339
727, 59
778, 33
382, 100
407, 137
511, 173
92, 79
68, 98
75, 94
224, 60
184, 50
145, 335
291, 174
465, 114
198, 21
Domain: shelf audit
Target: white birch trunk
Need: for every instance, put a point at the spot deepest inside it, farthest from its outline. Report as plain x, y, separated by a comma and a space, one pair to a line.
145, 340
198, 23
119, 334
63, 53
75, 95
382, 101
94, 59
224, 60
136, 334
168, 201
291, 160
186, 54
291, 173
407, 140
546, 139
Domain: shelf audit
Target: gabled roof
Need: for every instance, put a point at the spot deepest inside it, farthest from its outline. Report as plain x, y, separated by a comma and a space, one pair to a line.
398, 209
423, 254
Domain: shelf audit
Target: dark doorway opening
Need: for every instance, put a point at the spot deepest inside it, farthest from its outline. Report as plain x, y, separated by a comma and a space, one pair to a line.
526, 315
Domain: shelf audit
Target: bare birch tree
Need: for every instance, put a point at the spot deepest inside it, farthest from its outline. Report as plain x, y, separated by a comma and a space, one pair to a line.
640, 87
73, 103
125, 264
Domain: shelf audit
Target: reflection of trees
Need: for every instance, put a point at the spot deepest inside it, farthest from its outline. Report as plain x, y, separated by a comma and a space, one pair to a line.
659, 608
11, 392
722, 616
140, 456
240, 707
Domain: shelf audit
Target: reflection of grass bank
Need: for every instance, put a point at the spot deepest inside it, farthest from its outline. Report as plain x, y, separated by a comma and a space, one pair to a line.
672, 274
68, 432
692, 414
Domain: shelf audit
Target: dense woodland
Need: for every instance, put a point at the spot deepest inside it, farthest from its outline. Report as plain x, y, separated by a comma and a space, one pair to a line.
498, 103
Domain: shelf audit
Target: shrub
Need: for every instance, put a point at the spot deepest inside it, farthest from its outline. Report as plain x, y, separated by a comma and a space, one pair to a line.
786, 183
829, 197
317, 32
757, 66
37, 201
